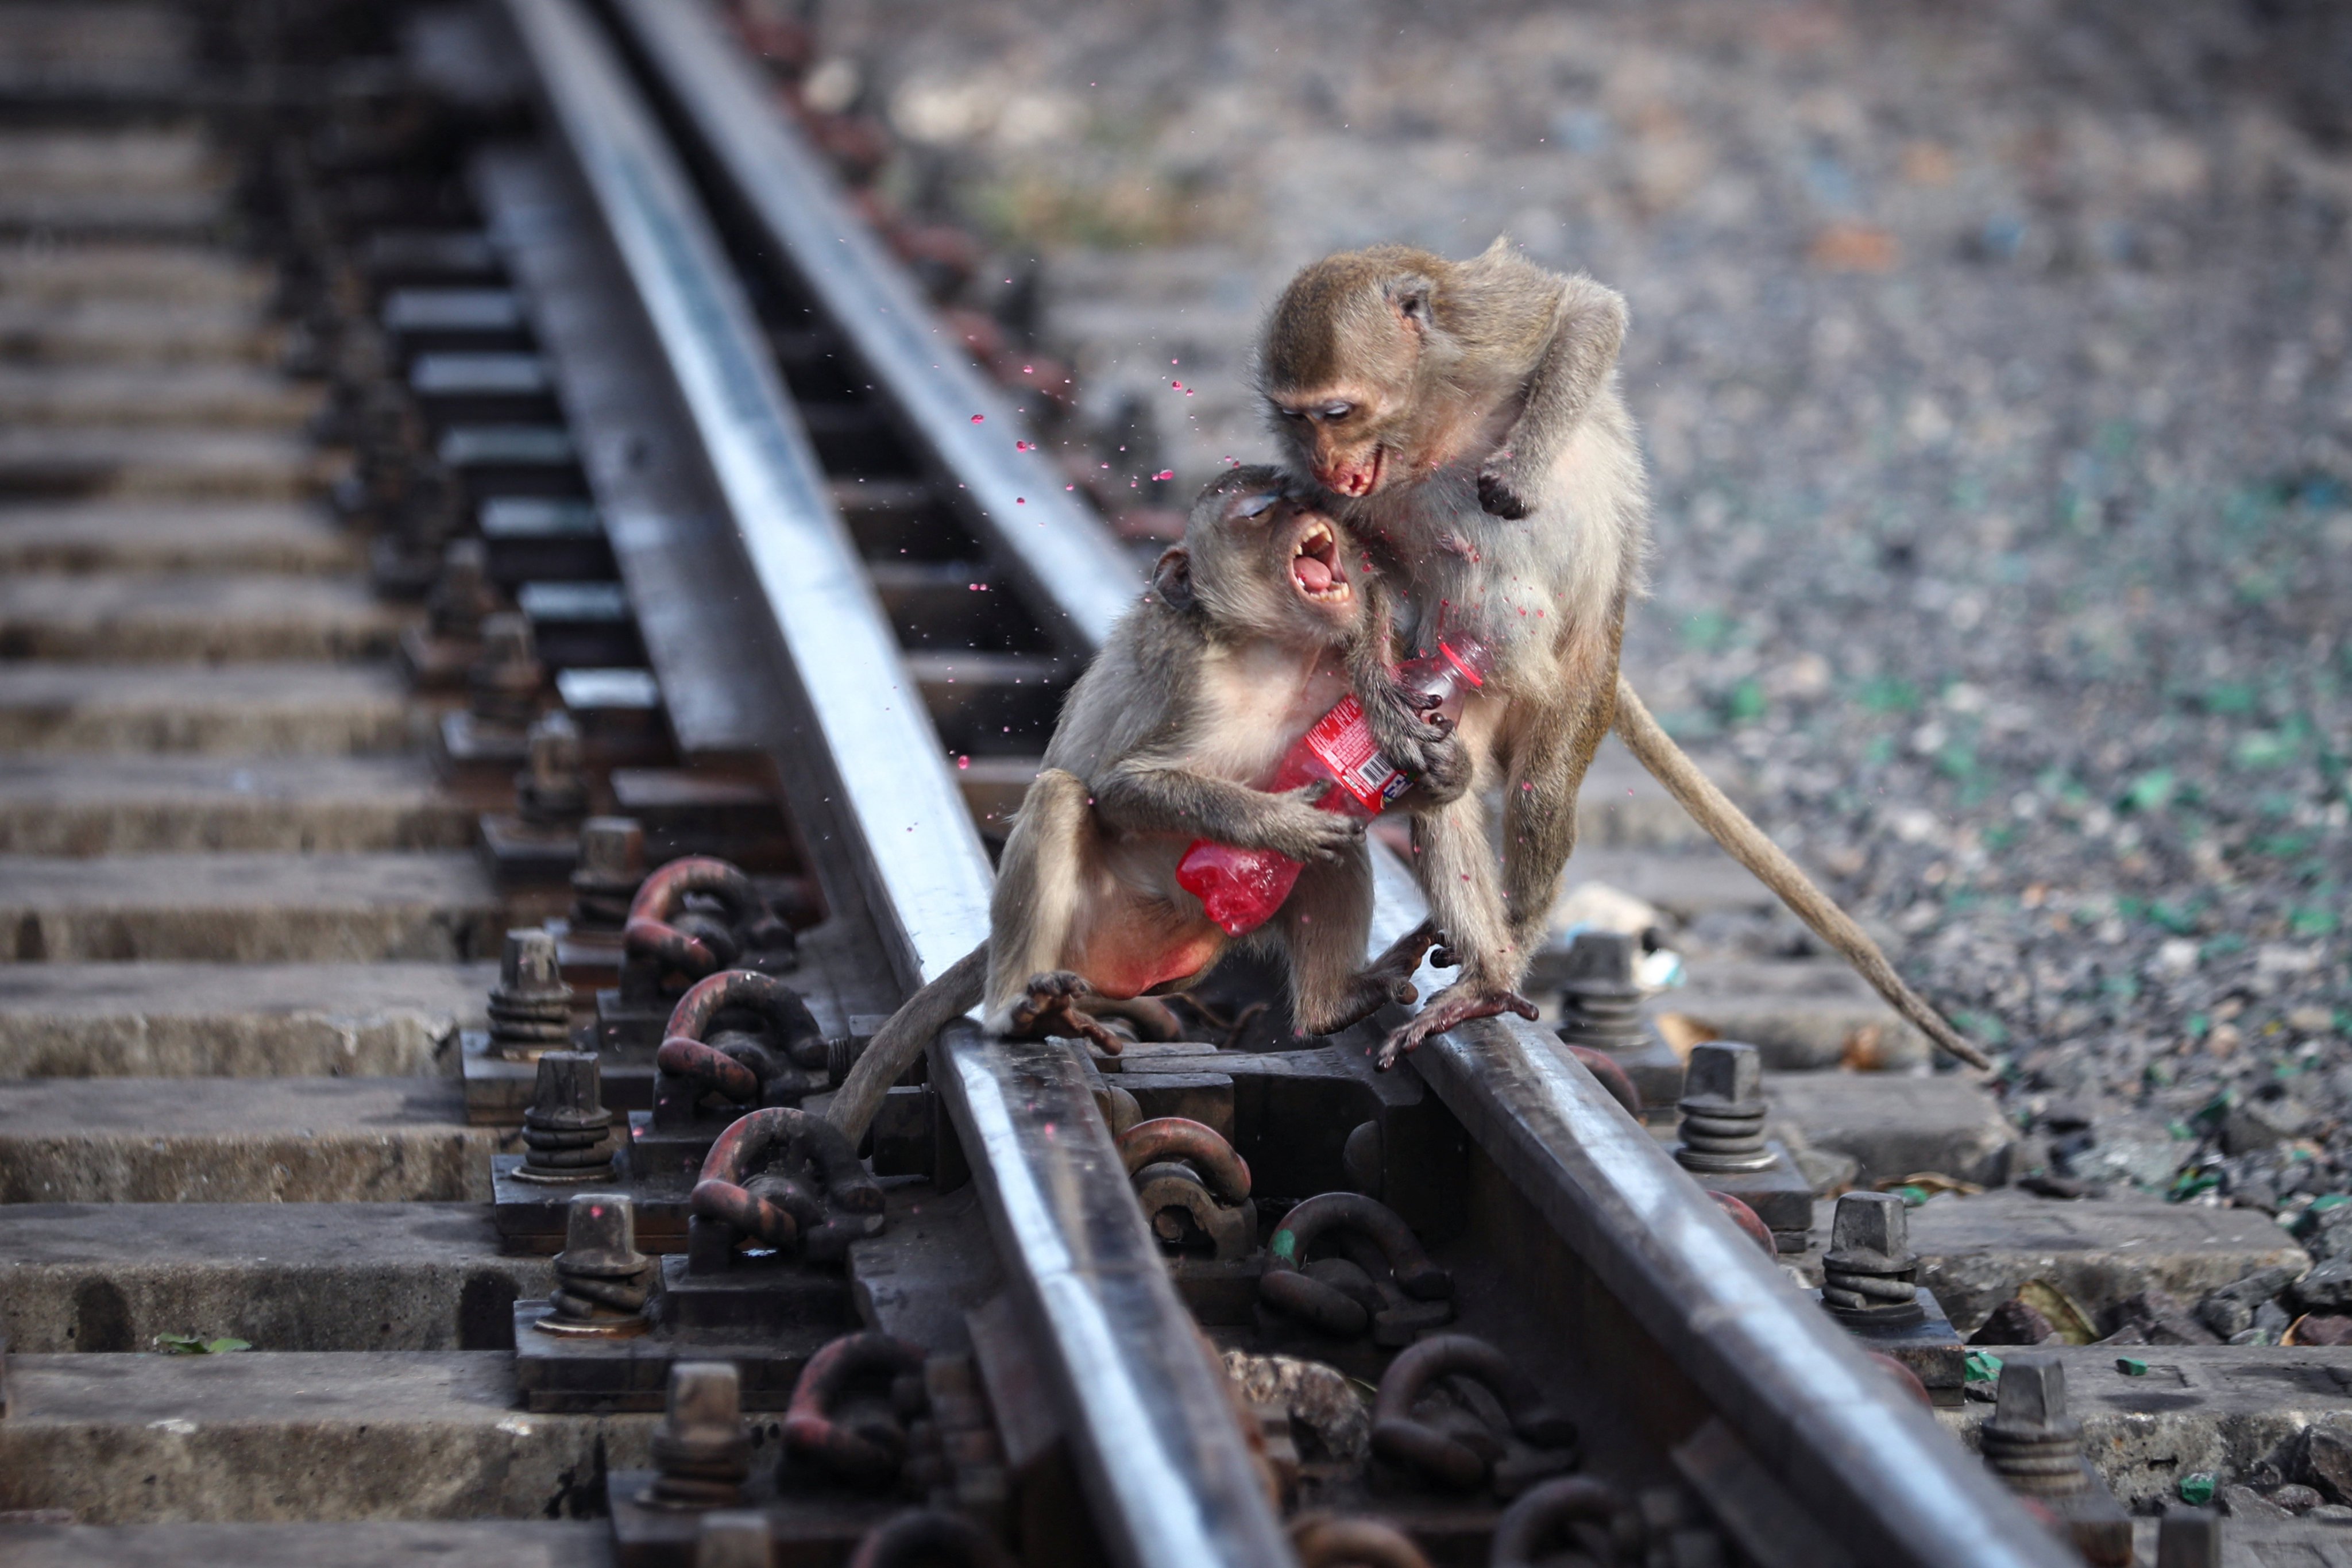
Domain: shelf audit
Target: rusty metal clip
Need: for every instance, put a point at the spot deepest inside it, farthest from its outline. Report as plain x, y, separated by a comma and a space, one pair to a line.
1287, 1286
1327, 1541
785, 1178
776, 1067
868, 1449
1540, 1524
1190, 1182
1613, 1078
1404, 1440
664, 937
1749, 1222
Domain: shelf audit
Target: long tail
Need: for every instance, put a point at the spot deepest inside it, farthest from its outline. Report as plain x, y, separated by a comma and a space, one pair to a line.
904, 1036
1713, 810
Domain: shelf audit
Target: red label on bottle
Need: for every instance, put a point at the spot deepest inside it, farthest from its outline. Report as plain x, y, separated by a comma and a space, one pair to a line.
1343, 741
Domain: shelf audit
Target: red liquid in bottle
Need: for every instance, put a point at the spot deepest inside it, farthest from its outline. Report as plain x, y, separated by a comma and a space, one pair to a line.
1240, 890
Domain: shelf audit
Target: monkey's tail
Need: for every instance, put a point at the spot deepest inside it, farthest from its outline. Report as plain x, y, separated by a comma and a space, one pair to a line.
1713, 810
903, 1037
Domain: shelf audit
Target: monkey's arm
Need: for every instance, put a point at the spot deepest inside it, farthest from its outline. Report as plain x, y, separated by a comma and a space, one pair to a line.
1407, 732
1588, 328
1713, 810
1140, 795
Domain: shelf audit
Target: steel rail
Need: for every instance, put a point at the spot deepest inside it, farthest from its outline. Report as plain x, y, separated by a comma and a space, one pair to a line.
1157, 1442
925, 865
1881, 1477
1056, 550
1890, 1484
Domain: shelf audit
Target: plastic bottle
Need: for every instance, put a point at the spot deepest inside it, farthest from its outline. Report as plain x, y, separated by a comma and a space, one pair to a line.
1241, 888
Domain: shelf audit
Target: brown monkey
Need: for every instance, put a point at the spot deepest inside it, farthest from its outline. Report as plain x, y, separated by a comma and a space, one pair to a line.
1433, 398
1253, 628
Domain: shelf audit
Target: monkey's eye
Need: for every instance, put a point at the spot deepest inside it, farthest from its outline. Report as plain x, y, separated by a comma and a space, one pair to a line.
1334, 411
1288, 412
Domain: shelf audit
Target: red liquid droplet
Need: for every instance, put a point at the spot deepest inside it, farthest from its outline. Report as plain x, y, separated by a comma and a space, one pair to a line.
1165, 474
978, 418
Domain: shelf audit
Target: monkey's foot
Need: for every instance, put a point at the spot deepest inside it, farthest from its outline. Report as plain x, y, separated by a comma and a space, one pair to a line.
1153, 1018
1394, 970
1497, 496
1385, 980
1458, 1004
1051, 1007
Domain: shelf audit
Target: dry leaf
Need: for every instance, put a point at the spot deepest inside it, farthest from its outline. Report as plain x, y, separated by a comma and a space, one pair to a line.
1681, 1032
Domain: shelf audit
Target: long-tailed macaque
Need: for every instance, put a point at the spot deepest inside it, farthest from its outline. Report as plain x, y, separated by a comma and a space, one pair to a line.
1420, 392
1253, 628
1465, 416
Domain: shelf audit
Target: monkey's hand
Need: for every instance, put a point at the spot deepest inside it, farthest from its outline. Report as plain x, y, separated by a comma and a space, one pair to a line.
1295, 826
1502, 493
1420, 741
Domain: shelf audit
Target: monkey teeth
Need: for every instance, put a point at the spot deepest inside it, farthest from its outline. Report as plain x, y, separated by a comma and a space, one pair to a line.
1314, 563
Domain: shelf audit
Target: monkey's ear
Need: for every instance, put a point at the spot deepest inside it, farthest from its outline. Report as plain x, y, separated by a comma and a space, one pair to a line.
1408, 295
1172, 578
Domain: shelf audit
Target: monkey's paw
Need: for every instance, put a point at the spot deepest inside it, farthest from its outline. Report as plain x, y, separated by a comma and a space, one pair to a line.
1455, 1005
1050, 1006
1498, 496
1305, 831
1421, 742
1394, 970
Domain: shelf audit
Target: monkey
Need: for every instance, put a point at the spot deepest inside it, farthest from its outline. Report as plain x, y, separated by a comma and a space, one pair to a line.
1253, 626
1465, 418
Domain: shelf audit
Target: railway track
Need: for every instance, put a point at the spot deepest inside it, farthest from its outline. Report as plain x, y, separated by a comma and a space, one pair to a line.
472, 480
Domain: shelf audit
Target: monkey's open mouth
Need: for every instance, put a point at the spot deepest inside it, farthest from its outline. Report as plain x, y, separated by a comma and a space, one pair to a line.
1315, 563
1356, 482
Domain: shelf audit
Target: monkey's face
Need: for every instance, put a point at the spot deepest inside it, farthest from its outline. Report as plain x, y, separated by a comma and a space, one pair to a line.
1261, 560
1339, 434
1340, 378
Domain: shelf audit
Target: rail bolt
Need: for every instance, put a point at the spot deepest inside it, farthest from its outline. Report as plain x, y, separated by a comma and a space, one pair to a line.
567, 1133
701, 1453
787, 1180
601, 1280
553, 790
1870, 1271
1318, 1293
826, 1425
1723, 1111
530, 1005
611, 869
745, 1038
1600, 1002
1573, 1513
1467, 1454
1190, 1185
2031, 1442
504, 683
931, 1537
667, 935
462, 595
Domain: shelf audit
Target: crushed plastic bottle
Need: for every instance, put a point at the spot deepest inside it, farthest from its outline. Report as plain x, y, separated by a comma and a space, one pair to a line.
1240, 890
